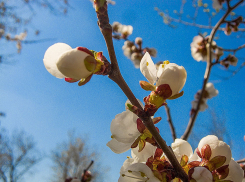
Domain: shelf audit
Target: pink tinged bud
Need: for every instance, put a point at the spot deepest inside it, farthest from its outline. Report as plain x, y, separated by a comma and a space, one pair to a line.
206, 152
200, 174
76, 64
51, 57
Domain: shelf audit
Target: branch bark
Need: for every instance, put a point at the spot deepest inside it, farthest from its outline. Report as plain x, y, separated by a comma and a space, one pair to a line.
116, 76
192, 120
170, 122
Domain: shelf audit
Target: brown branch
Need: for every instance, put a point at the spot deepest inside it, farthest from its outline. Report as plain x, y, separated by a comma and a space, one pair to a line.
194, 24
207, 72
170, 122
116, 76
233, 50
240, 161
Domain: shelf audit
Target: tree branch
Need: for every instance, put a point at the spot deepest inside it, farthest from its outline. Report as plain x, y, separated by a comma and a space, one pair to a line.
240, 161
194, 24
207, 72
233, 50
170, 122
116, 76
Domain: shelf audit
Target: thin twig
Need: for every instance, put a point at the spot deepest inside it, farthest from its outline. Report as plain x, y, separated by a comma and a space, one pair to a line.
170, 122
240, 161
194, 24
233, 50
207, 72
116, 76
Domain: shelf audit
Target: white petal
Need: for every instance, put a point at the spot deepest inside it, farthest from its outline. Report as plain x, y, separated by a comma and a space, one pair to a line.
218, 148
124, 127
51, 57
194, 157
181, 147
148, 151
202, 174
71, 64
236, 173
126, 164
148, 68
174, 76
118, 147
212, 92
135, 174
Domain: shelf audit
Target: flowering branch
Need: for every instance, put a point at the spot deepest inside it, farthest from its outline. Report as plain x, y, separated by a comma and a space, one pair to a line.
115, 75
170, 122
194, 24
208, 70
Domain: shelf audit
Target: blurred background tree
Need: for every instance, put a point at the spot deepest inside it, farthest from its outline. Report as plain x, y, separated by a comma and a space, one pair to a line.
18, 155
72, 157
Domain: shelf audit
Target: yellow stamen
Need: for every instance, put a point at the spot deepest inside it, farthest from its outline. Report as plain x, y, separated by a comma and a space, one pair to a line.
147, 63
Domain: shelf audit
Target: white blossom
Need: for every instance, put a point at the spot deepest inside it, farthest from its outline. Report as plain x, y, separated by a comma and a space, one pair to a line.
218, 147
203, 106
124, 131
202, 174
167, 73
217, 4
211, 91
198, 48
181, 147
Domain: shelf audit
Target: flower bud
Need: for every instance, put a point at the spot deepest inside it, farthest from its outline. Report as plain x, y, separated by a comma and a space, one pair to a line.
51, 57
138, 40
76, 64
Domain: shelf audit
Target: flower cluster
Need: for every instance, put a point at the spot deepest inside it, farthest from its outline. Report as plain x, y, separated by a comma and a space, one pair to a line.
209, 93
135, 52
210, 162
74, 64
199, 50
229, 60
17, 38
121, 31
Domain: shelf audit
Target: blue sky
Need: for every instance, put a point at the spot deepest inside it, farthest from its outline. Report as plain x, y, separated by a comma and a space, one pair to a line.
47, 107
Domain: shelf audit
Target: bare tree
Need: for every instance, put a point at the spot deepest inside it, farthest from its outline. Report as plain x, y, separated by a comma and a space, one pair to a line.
16, 25
18, 155
72, 158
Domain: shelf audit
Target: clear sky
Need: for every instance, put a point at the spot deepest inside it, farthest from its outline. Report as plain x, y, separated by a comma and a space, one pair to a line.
47, 107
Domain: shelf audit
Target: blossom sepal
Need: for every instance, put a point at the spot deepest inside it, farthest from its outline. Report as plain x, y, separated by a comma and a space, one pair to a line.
85, 80
147, 86
176, 96
103, 66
